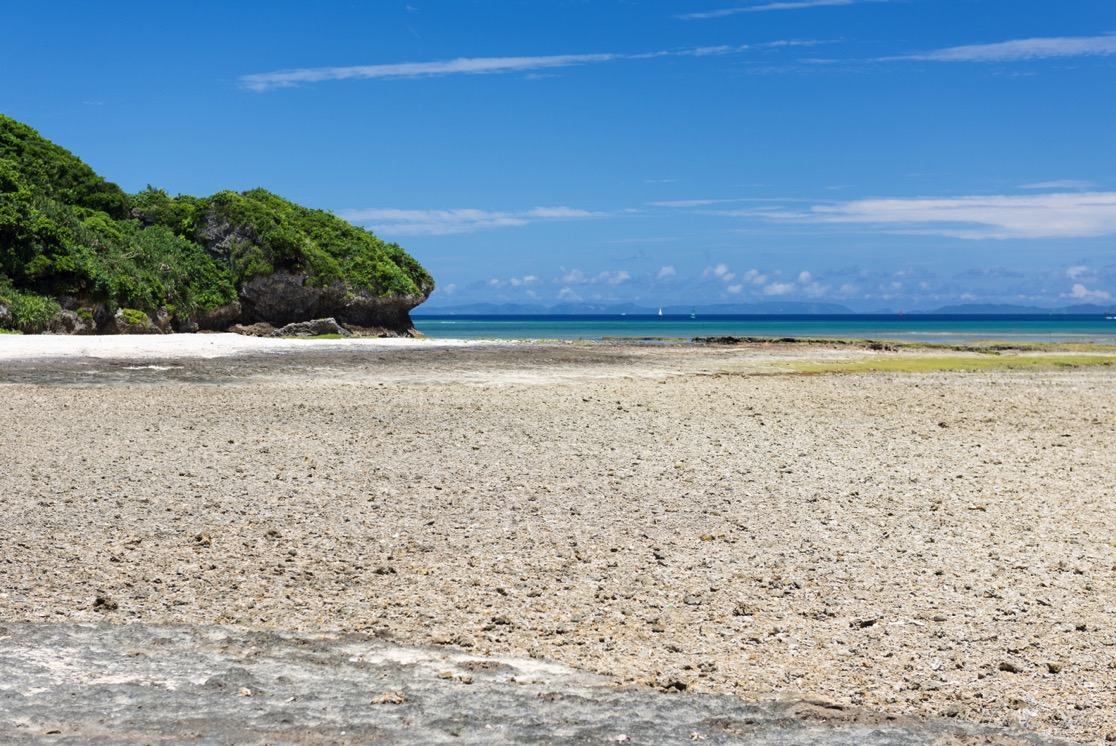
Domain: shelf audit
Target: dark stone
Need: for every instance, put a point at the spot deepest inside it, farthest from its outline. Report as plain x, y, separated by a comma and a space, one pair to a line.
68, 322
261, 329
314, 328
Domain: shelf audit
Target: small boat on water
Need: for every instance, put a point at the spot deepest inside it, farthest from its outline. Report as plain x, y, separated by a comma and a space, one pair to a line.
693, 313
660, 312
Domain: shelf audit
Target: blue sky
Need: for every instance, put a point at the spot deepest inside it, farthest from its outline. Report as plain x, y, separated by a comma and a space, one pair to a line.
901, 154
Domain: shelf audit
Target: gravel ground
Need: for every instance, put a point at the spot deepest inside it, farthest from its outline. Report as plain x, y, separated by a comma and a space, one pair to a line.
925, 544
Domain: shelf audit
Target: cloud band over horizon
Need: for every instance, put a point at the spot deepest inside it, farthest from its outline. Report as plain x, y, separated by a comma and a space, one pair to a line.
1055, 215
455, 221
260, 82
1017, 50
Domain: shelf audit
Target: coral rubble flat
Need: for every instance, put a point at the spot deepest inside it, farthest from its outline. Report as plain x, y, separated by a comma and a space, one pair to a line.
932, 544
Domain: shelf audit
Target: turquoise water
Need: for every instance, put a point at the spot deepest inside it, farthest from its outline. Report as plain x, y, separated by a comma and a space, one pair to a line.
910, 328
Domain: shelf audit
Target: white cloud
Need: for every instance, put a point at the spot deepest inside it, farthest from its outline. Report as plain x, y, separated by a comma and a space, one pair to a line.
666, 272
525, 280
568, 294
612, 278
1077, 271
560, 213
848, 290
1021, 49
474, 66
807, 285
448, 222
1080, 292
1061, 184
754, 276
778, 288
431, 222
735, 289
688, 202
577, 277
683, 203
721, 272
462, 65
783, 5
1055, 215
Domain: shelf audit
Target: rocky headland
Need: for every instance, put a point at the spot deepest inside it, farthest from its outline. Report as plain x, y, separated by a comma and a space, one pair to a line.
80, 256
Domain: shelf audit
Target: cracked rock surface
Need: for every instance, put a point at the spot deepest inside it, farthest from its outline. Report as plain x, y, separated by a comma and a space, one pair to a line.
120, 684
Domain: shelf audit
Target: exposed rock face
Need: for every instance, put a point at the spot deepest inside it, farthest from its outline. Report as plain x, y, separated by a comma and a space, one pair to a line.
219, 319
69, 322
218, 236
133, 684
285, 298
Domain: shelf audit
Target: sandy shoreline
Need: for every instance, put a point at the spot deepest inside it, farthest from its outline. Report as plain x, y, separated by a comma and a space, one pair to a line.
168, 346
932, 544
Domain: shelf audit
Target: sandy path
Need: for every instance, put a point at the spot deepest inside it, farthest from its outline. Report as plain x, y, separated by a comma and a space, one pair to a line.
933, 544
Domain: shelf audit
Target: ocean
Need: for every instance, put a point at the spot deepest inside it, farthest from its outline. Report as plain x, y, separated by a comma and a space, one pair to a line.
898, 327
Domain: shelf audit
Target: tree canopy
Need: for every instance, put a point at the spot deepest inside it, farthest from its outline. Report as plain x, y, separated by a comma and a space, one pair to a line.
70, 238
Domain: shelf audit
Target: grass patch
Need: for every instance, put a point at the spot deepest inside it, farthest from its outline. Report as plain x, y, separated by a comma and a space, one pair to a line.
920, 364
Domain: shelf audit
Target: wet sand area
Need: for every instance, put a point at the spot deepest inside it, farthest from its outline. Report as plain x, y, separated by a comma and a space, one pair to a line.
732, 519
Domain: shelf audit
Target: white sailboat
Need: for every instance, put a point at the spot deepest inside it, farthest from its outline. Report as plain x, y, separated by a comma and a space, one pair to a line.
660, 312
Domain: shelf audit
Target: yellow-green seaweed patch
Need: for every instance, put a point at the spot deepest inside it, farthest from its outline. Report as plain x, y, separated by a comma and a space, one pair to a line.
927, 364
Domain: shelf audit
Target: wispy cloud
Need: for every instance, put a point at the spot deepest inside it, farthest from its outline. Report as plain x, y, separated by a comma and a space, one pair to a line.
462, 65
691, 202
787, 5
1056, 215
1018, 50
1061, 184
447, 222
683, 203
480, 65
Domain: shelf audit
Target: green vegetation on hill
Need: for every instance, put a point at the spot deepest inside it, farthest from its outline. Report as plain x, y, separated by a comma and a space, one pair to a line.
69, 238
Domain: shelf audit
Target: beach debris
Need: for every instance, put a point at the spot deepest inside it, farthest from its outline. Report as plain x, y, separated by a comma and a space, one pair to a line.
104, 603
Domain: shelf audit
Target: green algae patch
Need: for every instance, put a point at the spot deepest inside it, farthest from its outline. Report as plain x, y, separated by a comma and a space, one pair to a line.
959, 363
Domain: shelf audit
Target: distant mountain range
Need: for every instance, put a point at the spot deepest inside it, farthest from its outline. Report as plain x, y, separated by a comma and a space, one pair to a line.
770, 308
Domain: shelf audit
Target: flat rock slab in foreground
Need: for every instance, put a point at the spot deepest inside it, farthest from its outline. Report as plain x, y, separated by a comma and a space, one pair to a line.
103, 684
